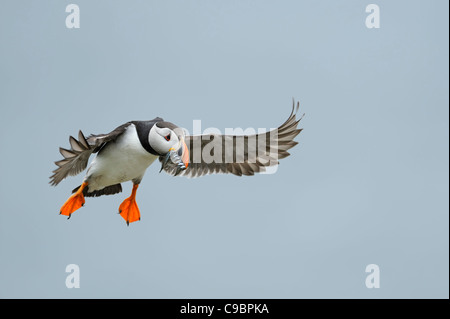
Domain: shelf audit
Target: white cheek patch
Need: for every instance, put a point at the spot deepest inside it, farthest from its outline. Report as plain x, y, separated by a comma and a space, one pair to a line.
159, 143
156, 141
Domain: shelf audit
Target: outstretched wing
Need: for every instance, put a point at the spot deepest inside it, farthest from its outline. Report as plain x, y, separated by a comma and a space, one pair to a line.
76, 159
239, 155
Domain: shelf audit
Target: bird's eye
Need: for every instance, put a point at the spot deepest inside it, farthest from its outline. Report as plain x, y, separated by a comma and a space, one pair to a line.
167, 137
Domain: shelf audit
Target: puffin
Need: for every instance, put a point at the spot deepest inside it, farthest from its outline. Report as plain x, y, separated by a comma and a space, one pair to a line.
125, 153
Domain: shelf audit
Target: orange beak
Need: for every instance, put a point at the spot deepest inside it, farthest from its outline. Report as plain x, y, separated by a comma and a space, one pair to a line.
185, 154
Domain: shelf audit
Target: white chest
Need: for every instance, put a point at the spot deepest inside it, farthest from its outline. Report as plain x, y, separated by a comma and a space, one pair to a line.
120, 161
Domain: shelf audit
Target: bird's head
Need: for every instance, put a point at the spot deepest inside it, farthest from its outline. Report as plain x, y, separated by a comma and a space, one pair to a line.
168, 140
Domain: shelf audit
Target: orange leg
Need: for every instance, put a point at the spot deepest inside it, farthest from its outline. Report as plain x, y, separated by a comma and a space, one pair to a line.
74, 202
129, 209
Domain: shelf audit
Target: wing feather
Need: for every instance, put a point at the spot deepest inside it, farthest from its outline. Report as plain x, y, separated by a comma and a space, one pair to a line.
76, 159
75, 145
240, 155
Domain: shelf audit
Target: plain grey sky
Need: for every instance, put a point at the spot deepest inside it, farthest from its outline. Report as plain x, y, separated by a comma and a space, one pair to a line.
368, 182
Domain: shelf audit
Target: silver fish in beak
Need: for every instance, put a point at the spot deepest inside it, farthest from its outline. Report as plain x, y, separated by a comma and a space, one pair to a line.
178, 157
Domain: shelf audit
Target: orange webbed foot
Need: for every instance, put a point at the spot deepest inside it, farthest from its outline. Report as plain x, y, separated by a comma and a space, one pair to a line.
74, 202
129, 209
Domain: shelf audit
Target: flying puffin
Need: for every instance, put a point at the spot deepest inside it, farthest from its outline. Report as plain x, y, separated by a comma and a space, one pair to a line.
125, 153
